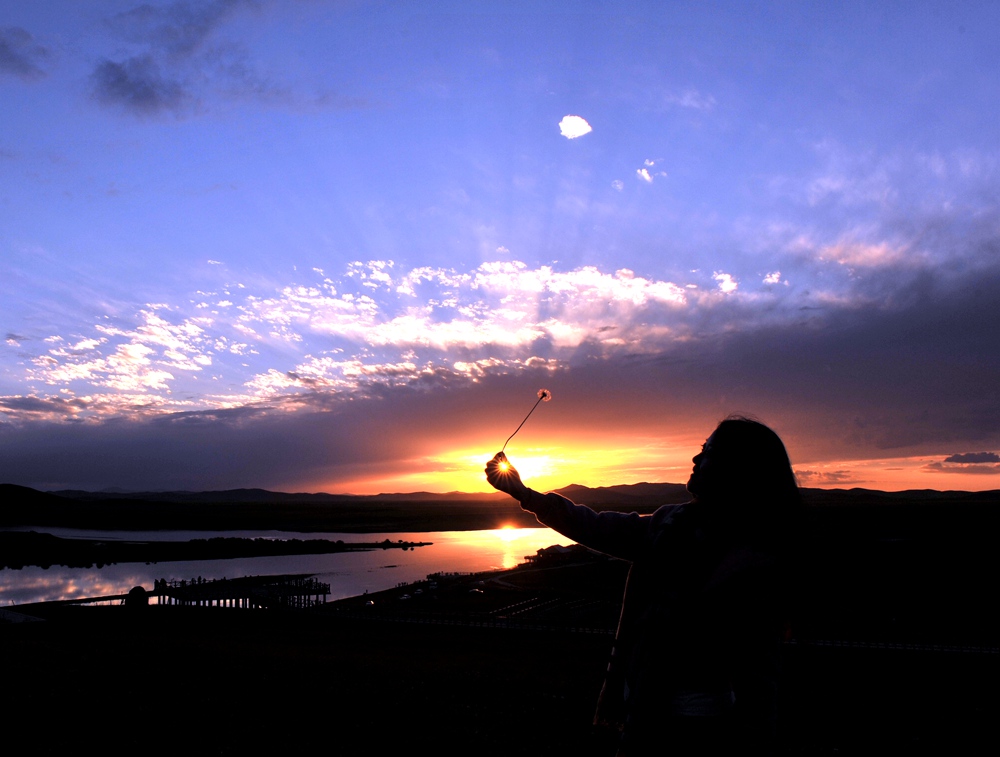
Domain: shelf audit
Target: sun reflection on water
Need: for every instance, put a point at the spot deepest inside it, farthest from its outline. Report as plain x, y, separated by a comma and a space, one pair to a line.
514, 548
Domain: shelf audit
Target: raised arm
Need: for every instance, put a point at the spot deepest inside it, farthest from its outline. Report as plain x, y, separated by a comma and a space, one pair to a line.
616, 534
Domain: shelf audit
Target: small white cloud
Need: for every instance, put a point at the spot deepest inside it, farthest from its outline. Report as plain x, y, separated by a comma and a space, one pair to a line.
572, 127
692, 98
648, 163
773, 278
726, 282
643, 174
618, 185
503, 250
215, 262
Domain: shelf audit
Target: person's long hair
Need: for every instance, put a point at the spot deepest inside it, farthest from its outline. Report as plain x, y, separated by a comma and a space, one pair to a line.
753, 481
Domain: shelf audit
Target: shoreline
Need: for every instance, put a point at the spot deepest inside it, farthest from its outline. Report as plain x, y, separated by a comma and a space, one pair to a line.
21, 549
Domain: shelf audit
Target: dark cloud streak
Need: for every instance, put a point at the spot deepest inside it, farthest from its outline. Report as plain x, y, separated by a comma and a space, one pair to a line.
184, 41
974, 457
39, 406
172, 34
136, 86
975, 469
178, 29
20, 55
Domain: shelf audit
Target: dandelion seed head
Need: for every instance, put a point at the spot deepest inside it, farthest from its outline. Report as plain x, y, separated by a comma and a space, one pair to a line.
544, 395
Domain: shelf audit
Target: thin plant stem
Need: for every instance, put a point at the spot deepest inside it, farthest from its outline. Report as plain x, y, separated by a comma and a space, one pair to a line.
522, 422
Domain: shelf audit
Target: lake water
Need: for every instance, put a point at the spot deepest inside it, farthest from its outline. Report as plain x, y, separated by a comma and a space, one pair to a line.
348, 573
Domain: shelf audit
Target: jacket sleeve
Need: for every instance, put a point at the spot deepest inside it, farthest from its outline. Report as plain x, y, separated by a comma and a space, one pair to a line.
623, 535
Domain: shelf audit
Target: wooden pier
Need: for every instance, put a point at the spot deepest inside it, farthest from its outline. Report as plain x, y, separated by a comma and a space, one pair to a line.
250, 592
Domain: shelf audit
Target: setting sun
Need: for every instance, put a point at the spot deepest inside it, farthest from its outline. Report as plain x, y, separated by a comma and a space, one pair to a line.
511, 533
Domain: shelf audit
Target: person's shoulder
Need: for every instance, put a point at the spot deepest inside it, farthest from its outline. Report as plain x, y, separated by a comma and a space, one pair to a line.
667, 514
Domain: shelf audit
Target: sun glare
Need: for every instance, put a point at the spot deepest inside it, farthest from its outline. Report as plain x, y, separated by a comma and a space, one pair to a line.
510, 533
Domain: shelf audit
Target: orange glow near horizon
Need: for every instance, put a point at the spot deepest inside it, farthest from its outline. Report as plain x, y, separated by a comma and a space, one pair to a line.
558, 465
896, 474
543, 468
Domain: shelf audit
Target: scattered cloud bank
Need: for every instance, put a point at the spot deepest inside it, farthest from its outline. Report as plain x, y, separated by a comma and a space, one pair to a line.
573, 127
378, 327
816, 478
838, 364
144, 358
646, 174
363, 330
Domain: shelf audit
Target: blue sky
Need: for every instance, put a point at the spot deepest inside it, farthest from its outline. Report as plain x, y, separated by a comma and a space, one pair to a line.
339, 245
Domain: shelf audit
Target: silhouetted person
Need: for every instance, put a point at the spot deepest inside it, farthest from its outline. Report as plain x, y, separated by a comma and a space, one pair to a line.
694, 665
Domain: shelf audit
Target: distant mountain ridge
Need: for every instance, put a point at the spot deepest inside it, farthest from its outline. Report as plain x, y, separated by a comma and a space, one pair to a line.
259, 509
642, 495
267, 496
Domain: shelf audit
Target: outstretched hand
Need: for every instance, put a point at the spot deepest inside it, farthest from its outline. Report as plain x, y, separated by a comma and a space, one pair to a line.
503, 476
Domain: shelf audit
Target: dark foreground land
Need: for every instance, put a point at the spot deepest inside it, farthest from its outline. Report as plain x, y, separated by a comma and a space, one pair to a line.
896, 646
496, 664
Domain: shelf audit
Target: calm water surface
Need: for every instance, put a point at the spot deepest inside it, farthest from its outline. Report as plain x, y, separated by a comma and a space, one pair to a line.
348, 573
